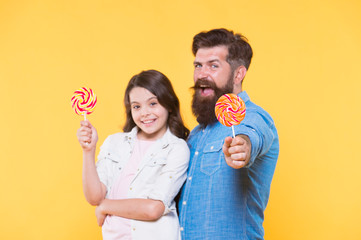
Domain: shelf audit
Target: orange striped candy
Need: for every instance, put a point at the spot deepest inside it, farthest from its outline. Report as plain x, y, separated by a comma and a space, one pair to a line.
83, 101
230, 110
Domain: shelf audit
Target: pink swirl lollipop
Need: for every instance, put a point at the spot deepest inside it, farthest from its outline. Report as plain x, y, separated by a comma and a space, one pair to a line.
230, 110
83, 101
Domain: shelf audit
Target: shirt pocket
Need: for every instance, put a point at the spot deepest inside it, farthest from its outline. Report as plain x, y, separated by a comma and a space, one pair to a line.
112, 157
108, 166
212, 157
158, 162
150, 173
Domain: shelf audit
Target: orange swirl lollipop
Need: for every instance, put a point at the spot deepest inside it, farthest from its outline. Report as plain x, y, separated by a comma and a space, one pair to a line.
83, 101
230, 110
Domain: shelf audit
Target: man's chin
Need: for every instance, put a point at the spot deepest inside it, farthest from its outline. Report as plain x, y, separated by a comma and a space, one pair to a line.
203, 109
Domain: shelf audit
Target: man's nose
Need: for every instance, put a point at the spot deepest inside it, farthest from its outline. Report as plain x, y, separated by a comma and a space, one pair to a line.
202, 73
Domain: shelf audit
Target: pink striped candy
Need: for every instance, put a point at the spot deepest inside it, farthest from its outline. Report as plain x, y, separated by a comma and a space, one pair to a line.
230, 109
83, 101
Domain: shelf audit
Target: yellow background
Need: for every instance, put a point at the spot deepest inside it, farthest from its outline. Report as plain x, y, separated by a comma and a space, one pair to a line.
305, 73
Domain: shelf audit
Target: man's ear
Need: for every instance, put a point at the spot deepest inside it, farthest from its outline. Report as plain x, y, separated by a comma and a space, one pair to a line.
239, 74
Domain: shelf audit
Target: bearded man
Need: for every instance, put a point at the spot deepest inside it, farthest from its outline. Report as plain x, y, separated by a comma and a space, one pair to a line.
228, 183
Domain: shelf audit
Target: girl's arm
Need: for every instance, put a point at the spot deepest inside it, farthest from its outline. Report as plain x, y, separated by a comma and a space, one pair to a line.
136, 208
94, 189
165, 189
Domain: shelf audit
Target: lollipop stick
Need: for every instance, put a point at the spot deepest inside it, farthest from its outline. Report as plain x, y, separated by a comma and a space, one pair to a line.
233, 132
87, 143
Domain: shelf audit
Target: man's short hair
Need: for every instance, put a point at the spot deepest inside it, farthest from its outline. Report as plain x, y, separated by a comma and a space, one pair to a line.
239, 50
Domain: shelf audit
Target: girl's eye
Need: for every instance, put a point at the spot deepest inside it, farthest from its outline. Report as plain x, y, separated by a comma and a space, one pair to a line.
135, 106
153, 103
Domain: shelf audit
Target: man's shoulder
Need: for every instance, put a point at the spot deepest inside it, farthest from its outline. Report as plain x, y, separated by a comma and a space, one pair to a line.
253, 110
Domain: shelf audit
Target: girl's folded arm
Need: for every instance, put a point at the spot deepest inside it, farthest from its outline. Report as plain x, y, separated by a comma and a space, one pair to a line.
136, 208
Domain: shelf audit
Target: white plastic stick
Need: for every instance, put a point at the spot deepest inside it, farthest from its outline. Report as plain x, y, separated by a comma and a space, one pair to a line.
233, 132
85, 120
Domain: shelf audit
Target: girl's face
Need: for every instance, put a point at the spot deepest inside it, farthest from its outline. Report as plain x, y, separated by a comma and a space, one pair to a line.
148, 114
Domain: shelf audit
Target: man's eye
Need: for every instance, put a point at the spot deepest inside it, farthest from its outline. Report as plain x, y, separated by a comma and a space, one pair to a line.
214, 66
197, 65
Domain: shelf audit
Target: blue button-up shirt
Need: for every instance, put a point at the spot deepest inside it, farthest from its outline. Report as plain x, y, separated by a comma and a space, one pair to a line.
217, 201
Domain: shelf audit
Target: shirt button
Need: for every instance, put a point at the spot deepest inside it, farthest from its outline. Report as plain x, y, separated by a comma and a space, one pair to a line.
130, 188
184, 202
133, 229
181, 228
196, 153
211, 147
190, 178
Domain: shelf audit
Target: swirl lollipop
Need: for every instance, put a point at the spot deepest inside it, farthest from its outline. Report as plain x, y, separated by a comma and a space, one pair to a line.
230, 110
83, 101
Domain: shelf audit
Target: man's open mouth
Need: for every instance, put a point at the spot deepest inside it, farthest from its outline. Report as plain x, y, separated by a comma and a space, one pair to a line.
206, 90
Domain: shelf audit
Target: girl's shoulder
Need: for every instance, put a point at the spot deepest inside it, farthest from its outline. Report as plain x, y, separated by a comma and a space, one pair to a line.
119, 138
175, 141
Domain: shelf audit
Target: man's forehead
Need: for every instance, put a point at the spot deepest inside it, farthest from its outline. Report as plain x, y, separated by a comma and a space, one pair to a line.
217, 53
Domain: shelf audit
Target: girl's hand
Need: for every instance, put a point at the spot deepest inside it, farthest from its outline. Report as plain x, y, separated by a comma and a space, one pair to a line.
87, 136
100, 215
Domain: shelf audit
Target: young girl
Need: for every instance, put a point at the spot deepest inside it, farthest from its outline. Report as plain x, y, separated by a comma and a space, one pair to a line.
139, 171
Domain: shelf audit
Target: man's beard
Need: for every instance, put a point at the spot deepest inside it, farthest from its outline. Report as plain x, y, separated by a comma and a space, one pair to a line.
203, 107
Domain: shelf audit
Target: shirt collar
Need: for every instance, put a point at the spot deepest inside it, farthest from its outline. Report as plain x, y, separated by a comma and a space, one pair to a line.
164, 140
244, 96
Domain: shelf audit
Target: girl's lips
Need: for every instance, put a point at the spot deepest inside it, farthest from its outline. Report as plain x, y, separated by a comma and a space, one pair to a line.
150, 121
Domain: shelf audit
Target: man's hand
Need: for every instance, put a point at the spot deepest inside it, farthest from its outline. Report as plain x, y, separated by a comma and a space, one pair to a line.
237, 151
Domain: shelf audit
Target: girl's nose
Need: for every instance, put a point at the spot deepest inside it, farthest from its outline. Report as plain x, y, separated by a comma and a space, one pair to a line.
145, 111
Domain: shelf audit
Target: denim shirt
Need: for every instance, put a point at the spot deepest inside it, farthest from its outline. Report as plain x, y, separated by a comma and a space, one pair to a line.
217, 201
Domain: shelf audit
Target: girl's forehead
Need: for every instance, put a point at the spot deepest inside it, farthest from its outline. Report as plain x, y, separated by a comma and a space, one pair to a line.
140, 94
